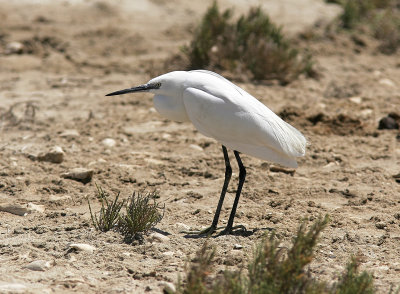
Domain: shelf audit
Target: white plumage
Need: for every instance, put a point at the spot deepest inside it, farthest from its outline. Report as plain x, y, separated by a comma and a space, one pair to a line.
221, 110
225, 112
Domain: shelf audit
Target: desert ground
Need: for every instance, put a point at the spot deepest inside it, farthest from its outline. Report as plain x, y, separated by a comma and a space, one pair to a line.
58, 59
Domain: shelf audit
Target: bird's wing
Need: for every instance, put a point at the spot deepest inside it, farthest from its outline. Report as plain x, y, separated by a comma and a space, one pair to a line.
226, 81
233, 122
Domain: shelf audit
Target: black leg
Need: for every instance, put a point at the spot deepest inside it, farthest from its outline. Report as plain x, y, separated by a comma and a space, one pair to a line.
228, 174
242, 177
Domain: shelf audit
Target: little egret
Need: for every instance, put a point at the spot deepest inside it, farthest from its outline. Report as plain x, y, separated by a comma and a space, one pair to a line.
221, 110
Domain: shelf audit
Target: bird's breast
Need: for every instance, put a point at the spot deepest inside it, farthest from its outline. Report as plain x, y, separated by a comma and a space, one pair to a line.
170, 107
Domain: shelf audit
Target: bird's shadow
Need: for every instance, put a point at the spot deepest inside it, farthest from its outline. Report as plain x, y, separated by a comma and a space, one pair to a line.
239, 232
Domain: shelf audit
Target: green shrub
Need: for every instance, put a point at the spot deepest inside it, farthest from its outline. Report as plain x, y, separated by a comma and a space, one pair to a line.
387, 29
140, 215
274, 270
108, 215
353, 282
382, 16
253, 44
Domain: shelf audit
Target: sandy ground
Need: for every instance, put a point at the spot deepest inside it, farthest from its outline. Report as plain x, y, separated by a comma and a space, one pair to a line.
52, 94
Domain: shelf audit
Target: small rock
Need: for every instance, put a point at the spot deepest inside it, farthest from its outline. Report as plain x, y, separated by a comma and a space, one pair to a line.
168, 253
196, 147
237, 246
397, 179
166, 136
387, 82
279, 169
14, 48
79, 174
14, 208
380, 225
58, 198
388, 123
12, 287
168, 287
21, 209
82, 247
366, 113
157, 237
356, 99
154, 161
182, 227
39, 265
109, 142
55, 155
99, 161
331, 164
36, 207
72, 133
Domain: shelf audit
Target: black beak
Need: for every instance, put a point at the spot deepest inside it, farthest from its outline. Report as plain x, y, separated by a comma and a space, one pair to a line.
141, 88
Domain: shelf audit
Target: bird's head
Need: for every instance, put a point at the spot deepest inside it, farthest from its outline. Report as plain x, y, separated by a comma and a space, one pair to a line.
164, 84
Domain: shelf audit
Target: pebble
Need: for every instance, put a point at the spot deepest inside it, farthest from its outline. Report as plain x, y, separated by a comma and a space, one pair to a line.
365, 113
388, 123
82, 247
387, 82
279, 169
12, 287
182, 227
79, 174
168, 253
356, 99
59, 198
71, 133
154, 161
54, 155
21, 209
109, 142
237, 246
39, 265
16, 209
166, 136
14, 48
380, 225
196, 147
157, 237
168, 287
97, 162
36, 207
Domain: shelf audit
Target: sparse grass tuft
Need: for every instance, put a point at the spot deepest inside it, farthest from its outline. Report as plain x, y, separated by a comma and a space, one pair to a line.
387, 29
381, 16
108, 215
198, 271
253, 44
140, 215
275, 270
352, 281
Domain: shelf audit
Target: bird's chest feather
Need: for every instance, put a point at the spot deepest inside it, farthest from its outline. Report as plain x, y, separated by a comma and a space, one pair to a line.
170, 107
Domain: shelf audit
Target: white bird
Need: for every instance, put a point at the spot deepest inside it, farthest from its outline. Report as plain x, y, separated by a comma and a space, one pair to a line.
221, 110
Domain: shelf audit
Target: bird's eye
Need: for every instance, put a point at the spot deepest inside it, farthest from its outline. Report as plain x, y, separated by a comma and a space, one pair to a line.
157, 85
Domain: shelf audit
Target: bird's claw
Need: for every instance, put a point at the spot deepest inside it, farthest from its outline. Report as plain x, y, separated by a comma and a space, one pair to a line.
207, 231
230, 230
211, 229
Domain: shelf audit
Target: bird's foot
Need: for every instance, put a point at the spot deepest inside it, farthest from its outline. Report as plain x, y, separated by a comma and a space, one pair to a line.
205, 232
229, 230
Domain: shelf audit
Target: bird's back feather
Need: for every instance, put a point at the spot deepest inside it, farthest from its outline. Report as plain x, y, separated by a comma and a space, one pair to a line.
222, 110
